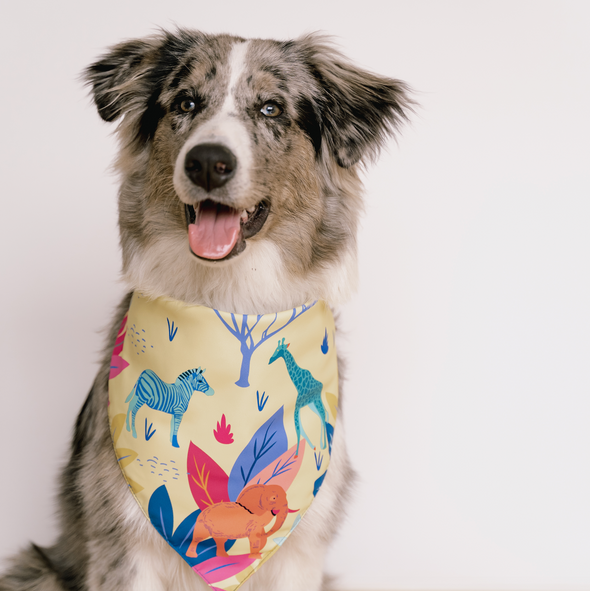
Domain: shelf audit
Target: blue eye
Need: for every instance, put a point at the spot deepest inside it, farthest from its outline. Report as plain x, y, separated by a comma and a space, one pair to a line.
271, 110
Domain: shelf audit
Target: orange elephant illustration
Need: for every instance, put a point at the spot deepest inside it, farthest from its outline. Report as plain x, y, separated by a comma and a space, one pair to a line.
254, 509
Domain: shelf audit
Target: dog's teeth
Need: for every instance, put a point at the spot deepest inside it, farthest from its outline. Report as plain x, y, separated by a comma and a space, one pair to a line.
251, 209
244, 216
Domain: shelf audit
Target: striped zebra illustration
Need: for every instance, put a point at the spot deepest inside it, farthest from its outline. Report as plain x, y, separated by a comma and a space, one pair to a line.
173, 399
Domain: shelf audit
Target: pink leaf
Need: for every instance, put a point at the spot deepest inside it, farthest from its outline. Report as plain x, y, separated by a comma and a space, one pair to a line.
207, 480
283, 470
118, 364
123, 323
120, 337
223, 433
119, 344
222, 567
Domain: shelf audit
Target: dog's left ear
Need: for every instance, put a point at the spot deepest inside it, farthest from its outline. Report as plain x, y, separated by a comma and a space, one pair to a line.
357, 110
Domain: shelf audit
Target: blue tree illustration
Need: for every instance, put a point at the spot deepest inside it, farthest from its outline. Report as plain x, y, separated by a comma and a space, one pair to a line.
243, 333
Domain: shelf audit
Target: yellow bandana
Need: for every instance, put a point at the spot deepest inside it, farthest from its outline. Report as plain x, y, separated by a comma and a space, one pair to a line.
222, 425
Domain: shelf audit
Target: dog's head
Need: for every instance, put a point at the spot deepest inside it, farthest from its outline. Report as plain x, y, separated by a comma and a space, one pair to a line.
239, 164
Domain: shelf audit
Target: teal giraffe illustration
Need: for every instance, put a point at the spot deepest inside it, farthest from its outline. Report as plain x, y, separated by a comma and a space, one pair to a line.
309, 393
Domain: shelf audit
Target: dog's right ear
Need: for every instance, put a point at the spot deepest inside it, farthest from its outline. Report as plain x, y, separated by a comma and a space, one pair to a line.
129, 79
120, 81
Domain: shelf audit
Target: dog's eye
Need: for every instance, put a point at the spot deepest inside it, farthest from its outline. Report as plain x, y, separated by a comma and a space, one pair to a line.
187, 105
271, 110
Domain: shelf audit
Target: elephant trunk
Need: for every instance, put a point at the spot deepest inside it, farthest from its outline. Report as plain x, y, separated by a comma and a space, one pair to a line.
280, 519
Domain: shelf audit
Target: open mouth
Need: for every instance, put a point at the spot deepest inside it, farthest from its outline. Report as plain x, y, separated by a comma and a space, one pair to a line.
219, 232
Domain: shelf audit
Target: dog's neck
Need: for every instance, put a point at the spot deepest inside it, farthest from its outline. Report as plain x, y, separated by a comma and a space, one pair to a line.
257, 283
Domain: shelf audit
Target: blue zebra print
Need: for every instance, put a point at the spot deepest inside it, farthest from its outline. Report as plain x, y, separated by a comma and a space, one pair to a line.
173, 399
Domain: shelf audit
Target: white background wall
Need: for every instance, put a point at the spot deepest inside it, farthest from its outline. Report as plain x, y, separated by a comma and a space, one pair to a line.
475, 243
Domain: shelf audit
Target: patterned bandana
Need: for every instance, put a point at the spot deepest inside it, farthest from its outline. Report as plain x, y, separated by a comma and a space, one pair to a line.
222, 425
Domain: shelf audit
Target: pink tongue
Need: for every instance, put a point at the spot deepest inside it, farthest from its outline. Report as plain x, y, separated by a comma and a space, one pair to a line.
215, 231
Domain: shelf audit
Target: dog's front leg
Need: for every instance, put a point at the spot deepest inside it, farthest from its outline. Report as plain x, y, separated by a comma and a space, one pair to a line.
125, 553
296, 566
147, 565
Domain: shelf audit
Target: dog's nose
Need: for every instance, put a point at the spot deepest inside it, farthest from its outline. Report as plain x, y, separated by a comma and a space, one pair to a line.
210, 165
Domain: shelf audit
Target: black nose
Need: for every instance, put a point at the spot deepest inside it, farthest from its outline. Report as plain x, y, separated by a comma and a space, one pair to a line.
210, 165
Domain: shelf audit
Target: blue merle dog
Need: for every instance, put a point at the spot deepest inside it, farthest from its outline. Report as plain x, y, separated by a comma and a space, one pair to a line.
240, 191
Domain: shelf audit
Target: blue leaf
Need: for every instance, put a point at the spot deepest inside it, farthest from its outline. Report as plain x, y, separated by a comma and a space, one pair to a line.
162, 518
148, 431
268, 444
330, 435
324, 346
171, 330
160, 512
318, 460
261, 401
183, 536
318, 483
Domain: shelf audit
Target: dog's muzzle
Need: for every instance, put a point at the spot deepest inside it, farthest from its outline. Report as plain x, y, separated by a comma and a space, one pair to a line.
210, 166
217, 230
